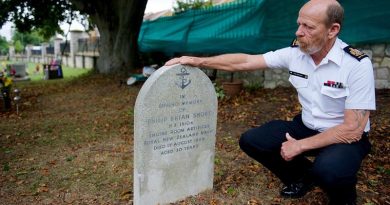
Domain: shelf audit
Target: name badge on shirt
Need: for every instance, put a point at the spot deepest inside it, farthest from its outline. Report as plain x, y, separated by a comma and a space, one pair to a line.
298, 74
334, 84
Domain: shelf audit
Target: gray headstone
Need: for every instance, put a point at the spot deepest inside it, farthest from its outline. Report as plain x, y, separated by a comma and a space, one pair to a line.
20, 70
174, 126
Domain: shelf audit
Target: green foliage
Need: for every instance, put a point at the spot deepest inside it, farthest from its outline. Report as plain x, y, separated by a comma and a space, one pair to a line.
18, 46
219, 91
6, 167
3, 45
383, 170
231, 191
31, 15
217, 160
70, 158
34, 38
185, 5
130, 112
22, 39
252, 87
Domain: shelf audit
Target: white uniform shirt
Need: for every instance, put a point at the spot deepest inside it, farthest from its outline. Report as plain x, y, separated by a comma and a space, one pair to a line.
340, 81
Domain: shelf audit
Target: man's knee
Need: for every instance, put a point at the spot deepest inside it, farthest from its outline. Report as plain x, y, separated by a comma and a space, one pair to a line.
327, 176
337, 165
267, 137
341, 189
245, 141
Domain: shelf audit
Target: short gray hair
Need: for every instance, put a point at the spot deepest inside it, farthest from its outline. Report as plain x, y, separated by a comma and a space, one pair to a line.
335, 13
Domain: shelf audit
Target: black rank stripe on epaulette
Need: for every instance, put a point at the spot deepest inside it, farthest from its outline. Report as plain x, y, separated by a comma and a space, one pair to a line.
294, 43
355, 53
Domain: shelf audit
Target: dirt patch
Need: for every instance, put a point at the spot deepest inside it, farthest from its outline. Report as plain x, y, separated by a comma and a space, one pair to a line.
73, 144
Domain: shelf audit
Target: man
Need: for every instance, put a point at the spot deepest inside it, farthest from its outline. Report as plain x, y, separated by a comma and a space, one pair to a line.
335, 86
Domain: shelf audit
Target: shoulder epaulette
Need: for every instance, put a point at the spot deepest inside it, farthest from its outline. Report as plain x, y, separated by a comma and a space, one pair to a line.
355, 53
294, 43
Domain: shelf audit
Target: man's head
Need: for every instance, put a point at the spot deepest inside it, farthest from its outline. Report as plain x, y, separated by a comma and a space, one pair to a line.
319, 23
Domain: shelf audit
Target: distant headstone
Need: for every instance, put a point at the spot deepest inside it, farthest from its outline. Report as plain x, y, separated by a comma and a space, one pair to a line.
174, 125
18, 71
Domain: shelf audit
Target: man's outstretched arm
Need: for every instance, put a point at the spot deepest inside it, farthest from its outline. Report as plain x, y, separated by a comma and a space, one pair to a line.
227, 62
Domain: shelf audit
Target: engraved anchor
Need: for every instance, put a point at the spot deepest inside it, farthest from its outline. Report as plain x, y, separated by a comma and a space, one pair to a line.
183, 81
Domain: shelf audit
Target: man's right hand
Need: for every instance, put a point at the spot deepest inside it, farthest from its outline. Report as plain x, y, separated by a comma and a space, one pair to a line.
184, 60
228, 62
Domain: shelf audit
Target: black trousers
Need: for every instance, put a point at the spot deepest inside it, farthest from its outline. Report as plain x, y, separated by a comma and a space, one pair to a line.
334, 168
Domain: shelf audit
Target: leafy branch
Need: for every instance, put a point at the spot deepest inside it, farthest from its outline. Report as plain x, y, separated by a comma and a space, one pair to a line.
185, 5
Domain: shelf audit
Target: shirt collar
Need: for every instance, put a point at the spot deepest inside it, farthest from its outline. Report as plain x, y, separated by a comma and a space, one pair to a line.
335, 54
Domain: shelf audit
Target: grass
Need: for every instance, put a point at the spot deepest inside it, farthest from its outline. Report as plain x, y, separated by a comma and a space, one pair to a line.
69, 140
68, 72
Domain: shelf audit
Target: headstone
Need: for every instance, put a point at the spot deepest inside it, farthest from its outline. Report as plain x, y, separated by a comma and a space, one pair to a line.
18, 71
174, 126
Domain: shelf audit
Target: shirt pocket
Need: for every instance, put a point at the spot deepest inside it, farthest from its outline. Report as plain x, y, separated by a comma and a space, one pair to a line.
333, 100
334, 92
298, 82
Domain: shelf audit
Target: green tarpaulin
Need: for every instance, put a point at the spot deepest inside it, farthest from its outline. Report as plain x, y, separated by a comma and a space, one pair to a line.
256, 26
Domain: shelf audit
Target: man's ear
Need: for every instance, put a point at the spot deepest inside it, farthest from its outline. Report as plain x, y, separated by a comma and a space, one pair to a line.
334, 30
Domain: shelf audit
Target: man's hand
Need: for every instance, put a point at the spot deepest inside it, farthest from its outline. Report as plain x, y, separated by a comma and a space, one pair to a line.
184, 60
290, 148
228, 62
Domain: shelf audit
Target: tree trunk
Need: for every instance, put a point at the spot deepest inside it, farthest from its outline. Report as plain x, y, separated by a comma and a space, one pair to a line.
119, 23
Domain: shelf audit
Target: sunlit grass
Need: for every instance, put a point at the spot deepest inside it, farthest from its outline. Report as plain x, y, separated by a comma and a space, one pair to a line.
38, 75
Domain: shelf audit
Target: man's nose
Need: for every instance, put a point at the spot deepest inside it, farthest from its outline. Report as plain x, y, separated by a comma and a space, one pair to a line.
299, 32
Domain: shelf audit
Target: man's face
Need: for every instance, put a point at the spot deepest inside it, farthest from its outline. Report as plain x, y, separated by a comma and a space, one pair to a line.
311, 33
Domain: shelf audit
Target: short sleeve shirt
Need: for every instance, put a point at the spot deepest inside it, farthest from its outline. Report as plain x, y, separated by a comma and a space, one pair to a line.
340, 81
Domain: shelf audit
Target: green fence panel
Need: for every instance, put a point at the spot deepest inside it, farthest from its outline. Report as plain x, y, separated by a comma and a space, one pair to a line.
366, 21
256, 26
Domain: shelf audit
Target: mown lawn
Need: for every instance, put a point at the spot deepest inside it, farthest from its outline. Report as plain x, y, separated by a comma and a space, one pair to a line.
37, 74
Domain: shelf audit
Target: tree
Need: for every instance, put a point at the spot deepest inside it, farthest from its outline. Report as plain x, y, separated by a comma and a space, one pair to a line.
3, 45
33, 38
184, 5
19, 48
118, 21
